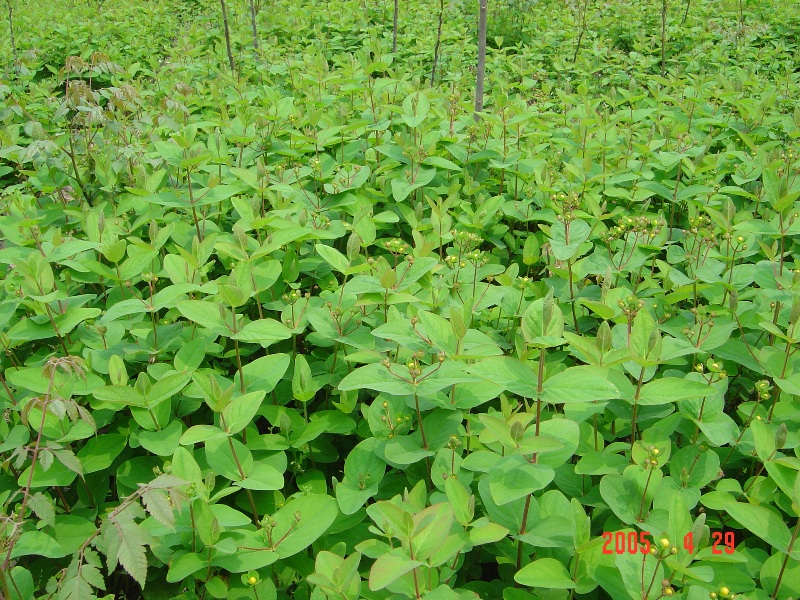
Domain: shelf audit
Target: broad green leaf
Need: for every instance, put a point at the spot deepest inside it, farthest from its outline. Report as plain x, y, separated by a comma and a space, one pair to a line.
565, 239
622, 496
31, 378
163, 442
304, 388
763, 522
98, 453
38, 544
645, 340
206, 314
389, 567
545, 573
789, 573
461, 500
262, 477
405, 450
379, 378
57, 475
514, 477
191, 355
166, 387
415, 109
185, 565
543, 322
511, 373
120, 394
764, 439
302, 521
264, 373
229, 458
201, 433
264, 332
672, 389
487, 533
333, 257
579, 384
240, 411
431, 528
72, 531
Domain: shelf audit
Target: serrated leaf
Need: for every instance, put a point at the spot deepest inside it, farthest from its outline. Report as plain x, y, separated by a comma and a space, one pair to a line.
69, 460
158, 506
131, 551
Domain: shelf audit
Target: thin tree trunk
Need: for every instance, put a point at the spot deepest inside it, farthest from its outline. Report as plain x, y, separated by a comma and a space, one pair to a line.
482, 18
663, 34
394, 30
686, 12
583, 30
11, 32
227, 34
253, 23
577, 46
438, 41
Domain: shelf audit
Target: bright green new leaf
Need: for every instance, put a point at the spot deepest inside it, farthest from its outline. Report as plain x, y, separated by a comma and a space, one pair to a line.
545, 573
764, 522
240, 411
672, 389
578, 384
389, 567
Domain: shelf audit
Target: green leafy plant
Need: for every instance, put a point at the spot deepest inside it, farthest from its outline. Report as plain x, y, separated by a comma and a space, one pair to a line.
314, 331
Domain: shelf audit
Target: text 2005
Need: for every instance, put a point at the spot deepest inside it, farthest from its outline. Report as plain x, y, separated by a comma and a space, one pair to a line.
620, 542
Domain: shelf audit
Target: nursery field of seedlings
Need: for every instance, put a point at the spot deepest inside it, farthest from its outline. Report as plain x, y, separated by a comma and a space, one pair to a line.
399, 300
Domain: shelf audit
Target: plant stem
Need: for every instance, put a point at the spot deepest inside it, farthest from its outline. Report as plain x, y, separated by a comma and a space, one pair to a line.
7, 389
636, 409
394, 24
419, 420
254, 26
481, 71
436, 55
55, 329
227, 36
785, 560
644, 494
572, 297
539, 390
523, 526
414, 571
664, 6
11, 32
583, 30
27, 490
239, 365
241, 472
155, 329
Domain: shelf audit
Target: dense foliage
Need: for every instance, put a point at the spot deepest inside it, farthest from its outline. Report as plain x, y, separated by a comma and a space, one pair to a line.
310, 329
